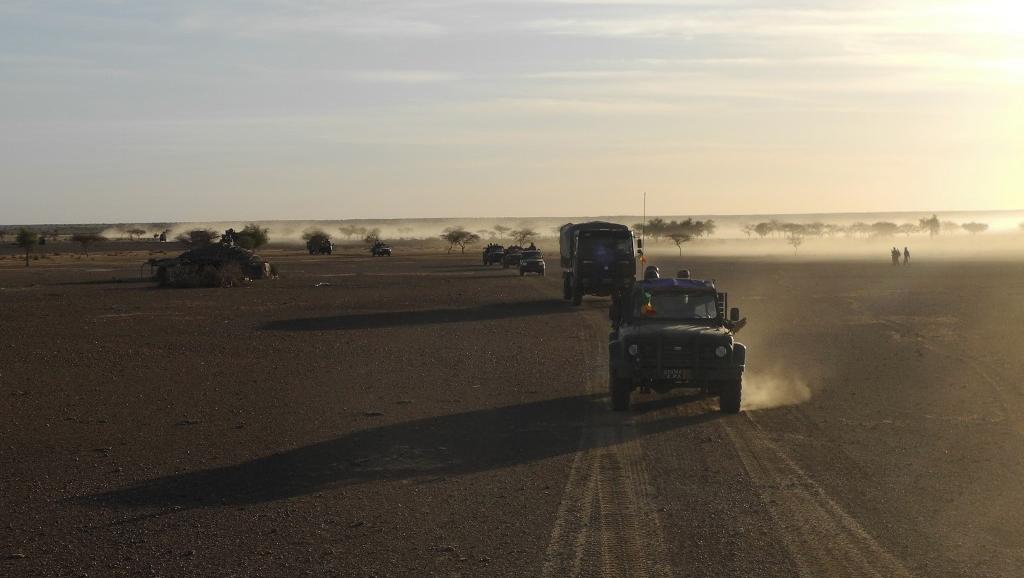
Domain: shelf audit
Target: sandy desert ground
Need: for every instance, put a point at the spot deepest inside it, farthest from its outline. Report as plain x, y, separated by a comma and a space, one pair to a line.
424, 415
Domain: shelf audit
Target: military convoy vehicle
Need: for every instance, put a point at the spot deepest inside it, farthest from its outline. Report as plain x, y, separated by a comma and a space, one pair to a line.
512, 256
493, 254
532, 261
671, 333
212, 265
380, 249
598, 258
319, 244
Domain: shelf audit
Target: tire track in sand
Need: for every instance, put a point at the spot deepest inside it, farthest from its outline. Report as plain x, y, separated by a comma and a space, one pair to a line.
605, 524
822, 539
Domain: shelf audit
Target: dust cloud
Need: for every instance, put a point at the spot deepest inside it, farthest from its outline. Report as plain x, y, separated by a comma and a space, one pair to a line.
776, 388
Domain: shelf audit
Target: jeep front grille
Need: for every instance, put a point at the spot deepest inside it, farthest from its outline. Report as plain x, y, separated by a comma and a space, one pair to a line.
667, 354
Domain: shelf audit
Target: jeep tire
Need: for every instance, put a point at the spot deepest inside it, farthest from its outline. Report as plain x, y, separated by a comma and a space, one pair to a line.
566, 288
620, 390
577, 296
729, 395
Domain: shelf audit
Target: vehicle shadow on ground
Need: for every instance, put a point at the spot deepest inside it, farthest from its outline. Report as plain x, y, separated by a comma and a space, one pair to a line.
115, 281
421, 317
424, 449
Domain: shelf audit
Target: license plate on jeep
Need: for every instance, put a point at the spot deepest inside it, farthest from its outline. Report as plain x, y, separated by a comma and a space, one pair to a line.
677, 374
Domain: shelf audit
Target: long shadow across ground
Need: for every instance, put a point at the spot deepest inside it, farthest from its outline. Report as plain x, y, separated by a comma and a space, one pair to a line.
422, 316
427, 448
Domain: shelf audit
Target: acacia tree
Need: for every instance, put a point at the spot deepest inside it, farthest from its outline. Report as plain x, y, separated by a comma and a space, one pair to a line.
198, 238
252, 236
884, 229
314, 233
521, 236
932, 225
907, 229
975, 228
501, 230
458, 236
86, 239
135, 233
679, 237
26, 239
795, 241
763, 229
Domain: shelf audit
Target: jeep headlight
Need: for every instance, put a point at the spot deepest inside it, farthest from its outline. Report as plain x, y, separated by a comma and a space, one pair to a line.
634, 349
721, 351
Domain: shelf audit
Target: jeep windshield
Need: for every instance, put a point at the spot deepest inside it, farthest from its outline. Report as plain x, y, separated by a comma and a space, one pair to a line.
532, 255
675, 306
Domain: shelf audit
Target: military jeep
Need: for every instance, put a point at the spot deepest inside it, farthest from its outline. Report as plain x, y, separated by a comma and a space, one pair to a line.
673, 333
493, 254
319, 244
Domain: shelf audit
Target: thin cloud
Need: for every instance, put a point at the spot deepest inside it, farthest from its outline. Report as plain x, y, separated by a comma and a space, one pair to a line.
329, 20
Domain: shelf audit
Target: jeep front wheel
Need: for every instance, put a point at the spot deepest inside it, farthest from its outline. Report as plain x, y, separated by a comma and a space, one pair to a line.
620, 390
729, 396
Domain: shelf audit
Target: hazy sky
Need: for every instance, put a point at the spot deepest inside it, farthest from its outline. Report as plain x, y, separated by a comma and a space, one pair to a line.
191, 110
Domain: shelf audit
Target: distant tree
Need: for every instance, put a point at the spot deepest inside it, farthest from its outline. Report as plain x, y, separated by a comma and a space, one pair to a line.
706, 228
763, 229
133, 233
522, 236
252, 236
793, 229
86, 239
502, 230
198, 238
26, 239
459, 236
815, 229
348, 230
3, 234
655, 228
679, 237
975, 228
908, 229
487, 233
859, 228
832, 229
314, 233
747, 229
795, 241
932, 225
884, 229
950, 227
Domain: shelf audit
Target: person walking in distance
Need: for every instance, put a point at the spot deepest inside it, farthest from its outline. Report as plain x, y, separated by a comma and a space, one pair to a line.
906, 256
895, 255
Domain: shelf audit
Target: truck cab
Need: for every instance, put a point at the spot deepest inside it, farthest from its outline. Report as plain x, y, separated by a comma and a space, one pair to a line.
674, 333
597, 258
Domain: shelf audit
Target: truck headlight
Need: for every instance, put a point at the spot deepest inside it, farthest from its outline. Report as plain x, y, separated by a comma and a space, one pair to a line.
721, 351
633, 349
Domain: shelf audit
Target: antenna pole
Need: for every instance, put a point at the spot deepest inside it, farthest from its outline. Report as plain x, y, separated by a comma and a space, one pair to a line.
643, 223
